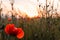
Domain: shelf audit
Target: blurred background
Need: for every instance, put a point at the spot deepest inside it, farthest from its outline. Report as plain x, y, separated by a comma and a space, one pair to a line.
40, 19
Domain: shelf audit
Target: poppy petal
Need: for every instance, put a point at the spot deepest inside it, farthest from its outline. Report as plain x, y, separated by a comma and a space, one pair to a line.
20, 33
9, 28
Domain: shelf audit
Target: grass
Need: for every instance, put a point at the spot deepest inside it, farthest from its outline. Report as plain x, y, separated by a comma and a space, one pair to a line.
36, 28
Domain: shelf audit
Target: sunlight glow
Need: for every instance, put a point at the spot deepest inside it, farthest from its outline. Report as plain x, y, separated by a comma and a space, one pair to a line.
30, 8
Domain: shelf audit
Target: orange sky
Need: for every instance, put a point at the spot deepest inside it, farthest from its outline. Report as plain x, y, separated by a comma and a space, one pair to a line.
28, 6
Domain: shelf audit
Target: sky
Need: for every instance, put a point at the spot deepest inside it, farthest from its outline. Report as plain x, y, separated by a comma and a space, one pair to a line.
18, 3
21, 4
30, 7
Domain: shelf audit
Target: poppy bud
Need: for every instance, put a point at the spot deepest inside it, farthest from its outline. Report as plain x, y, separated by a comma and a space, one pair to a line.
9, 19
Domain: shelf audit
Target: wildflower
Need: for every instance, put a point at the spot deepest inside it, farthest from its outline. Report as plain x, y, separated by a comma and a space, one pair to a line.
10, 29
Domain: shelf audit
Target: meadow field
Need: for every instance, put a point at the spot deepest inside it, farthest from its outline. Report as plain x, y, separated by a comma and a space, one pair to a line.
34, 28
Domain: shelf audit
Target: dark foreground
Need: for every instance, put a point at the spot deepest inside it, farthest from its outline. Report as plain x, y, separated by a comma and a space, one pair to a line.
35, 29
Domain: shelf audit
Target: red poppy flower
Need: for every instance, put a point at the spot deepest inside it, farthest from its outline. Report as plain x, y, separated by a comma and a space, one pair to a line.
9, 28
14, 32
20, 33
